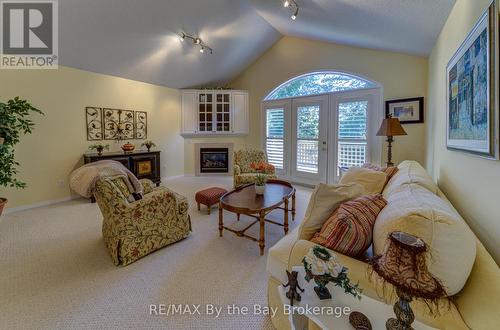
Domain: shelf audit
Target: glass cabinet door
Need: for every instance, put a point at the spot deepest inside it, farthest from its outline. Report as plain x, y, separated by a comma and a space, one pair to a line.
205, 112
223, 113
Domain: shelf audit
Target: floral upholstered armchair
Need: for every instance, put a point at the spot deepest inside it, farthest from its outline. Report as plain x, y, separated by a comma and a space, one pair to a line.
132, 230
248, 163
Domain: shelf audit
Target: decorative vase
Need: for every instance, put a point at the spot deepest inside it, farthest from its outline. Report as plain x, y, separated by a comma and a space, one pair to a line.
321, 289
3, 201
99, 151
259, 190
128, 147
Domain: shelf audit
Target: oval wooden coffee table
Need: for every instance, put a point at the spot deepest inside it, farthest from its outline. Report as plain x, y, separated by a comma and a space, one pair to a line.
243, 200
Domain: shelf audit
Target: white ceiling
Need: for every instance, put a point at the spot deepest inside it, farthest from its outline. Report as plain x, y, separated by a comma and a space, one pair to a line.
408, 26
138, 39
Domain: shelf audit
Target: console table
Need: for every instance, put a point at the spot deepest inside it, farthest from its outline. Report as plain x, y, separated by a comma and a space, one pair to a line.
144, 164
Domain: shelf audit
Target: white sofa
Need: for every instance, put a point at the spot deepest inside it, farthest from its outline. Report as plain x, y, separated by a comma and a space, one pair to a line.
458, 254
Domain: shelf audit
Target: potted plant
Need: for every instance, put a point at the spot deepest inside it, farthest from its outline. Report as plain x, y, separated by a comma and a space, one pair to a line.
14, 121
322, 267
99, 147
148, 144
260, 184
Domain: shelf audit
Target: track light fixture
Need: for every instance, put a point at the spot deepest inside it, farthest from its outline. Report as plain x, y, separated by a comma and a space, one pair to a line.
196, 41
293, 6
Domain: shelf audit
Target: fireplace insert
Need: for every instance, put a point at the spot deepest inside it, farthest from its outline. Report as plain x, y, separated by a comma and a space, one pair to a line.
214, 160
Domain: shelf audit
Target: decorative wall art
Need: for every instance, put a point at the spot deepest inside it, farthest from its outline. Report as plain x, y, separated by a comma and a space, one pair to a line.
472, 96
408, 111
94, 123
115, 124
141, 124
118, 124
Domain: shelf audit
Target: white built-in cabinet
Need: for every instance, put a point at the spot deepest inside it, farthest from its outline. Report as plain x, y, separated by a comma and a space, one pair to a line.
214, 112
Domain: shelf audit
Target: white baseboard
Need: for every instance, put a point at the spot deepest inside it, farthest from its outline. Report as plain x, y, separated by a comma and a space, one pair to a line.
11, 210
166, 178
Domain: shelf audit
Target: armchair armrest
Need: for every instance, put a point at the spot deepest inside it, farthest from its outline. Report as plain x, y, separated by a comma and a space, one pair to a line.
163, 200
148, 185
236, 169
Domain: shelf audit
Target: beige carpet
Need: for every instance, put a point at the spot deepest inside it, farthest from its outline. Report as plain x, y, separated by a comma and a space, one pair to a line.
55, 272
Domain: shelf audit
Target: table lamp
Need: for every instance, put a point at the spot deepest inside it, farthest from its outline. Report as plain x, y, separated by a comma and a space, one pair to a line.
403, 265
390, 127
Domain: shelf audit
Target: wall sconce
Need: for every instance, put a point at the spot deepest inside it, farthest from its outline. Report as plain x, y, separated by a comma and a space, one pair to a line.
293, 6
196, 41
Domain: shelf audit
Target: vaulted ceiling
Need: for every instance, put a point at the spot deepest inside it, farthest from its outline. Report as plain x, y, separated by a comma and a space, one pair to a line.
139, 39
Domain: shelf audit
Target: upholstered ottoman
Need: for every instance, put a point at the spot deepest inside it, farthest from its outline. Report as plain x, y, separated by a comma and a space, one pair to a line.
209, 197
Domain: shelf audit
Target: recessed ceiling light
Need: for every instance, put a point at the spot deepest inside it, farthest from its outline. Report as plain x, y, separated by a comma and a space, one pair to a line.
286, 3
202, 50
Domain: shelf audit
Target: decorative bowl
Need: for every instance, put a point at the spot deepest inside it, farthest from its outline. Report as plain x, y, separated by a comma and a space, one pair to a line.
128, 147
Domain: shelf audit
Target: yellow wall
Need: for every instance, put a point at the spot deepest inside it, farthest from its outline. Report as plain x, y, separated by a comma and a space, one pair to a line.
56, 146
471, 183
402, 76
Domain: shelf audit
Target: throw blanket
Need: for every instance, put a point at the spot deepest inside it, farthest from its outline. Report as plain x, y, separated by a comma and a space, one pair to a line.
83, 180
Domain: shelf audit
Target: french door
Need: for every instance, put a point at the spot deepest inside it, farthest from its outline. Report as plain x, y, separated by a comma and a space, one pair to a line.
308, 138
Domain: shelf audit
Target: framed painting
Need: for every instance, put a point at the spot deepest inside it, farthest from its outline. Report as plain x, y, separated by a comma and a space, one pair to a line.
472, 90
408, 111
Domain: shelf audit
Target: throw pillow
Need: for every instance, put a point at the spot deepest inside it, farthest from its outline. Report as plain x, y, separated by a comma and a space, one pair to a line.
372, 181
324, 200
349, 229
390, 171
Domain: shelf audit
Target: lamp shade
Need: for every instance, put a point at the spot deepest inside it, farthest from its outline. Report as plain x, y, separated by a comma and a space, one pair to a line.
391, 127
403, 265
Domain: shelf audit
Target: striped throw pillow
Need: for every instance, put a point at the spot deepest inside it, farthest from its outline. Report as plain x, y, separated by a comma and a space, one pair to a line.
349, 229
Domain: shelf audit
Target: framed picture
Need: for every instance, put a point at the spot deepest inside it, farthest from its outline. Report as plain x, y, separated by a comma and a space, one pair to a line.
408, 111
472, 84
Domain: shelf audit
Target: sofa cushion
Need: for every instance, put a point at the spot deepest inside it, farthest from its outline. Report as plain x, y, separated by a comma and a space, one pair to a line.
349, 229
415, 210
324, 200
410, 172
372, 181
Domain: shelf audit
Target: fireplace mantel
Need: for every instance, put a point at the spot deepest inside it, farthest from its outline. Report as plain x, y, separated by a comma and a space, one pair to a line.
199, 146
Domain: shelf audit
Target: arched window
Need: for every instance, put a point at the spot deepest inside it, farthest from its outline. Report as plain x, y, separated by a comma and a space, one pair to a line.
318, 83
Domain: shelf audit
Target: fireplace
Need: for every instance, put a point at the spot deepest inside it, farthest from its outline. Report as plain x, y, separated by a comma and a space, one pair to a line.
214, 160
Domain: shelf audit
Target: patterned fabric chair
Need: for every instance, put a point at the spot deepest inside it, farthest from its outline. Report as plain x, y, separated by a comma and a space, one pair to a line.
243, 172
132, 230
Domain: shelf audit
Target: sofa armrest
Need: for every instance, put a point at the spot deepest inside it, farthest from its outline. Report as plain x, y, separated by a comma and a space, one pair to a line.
372, 286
